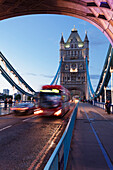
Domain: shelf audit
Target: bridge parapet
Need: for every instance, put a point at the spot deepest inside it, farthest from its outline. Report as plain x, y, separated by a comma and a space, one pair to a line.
59, 157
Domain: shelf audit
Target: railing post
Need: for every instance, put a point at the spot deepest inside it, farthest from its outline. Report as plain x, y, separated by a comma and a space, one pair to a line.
111, 71
105, 94
97, 99
100, 99
0, 108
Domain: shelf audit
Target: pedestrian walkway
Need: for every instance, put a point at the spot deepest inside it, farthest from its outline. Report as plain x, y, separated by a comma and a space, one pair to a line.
4, 112
92, 140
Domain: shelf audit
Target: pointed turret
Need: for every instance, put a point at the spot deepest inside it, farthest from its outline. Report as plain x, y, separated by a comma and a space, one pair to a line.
74, 29
86, 45
86, 37
62, 39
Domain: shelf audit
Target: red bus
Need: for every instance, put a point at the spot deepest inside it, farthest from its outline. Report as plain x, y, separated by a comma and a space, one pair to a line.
53, 101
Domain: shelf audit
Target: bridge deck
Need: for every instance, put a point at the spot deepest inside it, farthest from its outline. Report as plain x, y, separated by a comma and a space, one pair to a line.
92, 141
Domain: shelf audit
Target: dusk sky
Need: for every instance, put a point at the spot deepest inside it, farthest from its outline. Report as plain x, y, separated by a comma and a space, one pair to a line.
31, 44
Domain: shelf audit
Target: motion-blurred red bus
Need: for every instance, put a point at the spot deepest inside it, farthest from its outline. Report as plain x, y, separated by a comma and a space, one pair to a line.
53, 101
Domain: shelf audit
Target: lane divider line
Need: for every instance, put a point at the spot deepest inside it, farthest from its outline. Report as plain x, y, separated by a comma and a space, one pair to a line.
26, 119
108, 161
5, 128
29, 118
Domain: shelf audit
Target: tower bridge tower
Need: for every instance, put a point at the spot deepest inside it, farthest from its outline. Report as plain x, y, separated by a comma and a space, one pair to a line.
73, 69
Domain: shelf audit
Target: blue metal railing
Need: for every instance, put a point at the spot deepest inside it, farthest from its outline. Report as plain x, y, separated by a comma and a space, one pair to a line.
59, 157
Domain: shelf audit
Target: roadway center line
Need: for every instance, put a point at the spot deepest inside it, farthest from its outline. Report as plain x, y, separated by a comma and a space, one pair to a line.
26, 119
99, 142
5, 128
29, 118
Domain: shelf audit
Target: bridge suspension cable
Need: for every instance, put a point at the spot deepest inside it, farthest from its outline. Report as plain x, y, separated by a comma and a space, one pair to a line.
90, 88
105, 75
8, 71
56, 77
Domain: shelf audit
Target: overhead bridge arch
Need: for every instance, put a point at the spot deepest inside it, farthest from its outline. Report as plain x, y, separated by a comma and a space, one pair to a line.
96, 12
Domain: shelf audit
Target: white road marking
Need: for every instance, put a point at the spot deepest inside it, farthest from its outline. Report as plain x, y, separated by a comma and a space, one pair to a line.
26, 119
29, 118
5, 128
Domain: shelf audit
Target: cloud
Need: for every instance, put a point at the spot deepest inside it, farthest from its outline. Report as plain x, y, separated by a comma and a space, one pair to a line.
95, 77
47, 76
30, 74
99, 42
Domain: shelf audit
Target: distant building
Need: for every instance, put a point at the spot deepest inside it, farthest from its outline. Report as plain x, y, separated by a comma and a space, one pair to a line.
73, 69
6, 91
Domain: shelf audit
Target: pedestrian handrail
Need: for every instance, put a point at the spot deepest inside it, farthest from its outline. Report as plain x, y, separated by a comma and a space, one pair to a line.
102, 105
59, 157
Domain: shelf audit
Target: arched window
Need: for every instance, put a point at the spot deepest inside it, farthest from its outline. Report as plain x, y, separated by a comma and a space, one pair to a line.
75, 45
66, 67
71, 45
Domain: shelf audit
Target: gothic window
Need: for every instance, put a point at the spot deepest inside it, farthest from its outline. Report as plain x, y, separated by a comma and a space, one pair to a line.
67, 53
71, 45
78, 53
66, 67
81, 66
73, 77
71, 52
75, 45
78, 78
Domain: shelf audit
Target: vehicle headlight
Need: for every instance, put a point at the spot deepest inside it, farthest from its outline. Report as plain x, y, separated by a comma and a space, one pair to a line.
38, 111
58, 112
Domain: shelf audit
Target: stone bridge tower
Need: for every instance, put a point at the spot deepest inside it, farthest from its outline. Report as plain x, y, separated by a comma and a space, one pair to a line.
73, 70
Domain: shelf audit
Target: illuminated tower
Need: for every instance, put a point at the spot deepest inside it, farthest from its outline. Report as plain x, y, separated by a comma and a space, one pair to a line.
73, 70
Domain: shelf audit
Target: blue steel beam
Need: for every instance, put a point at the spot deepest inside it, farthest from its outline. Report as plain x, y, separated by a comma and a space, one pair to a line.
105, 75
57, 74
104, 67
106, 70
88, 79
15, 72
7, 77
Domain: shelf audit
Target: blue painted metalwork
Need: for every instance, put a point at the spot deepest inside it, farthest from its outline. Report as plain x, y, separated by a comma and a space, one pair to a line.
7, 77
55, 80
15, 72
63, 145
90, 88
106, 70
105, 75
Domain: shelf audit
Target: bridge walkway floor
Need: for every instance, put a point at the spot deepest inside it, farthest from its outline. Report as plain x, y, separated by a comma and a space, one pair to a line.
92, 140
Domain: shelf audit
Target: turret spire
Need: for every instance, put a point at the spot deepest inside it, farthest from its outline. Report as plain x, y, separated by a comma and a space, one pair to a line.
86, 37
74, 29
62, 39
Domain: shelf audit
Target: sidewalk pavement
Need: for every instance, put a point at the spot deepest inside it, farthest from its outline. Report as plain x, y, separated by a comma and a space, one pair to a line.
85, 151
4, 112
